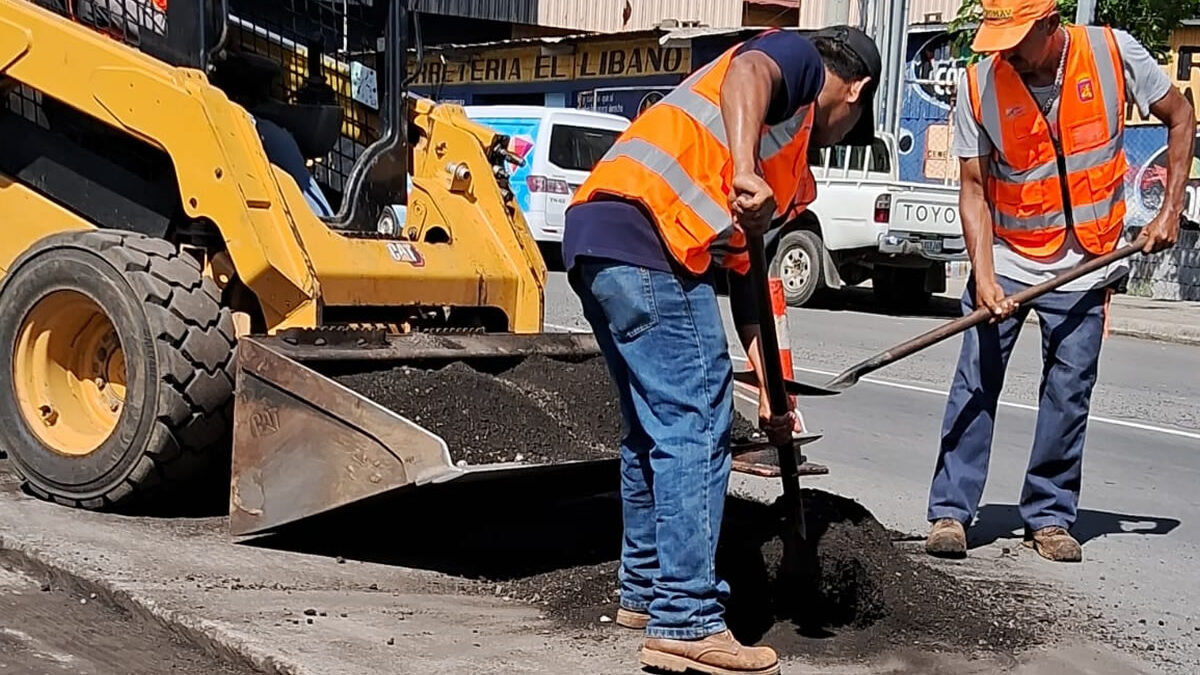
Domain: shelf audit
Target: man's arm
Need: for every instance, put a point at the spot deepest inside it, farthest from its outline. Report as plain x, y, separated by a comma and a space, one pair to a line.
750, 84
1179, 117
752, 81
778, 429
976, 220
972, 146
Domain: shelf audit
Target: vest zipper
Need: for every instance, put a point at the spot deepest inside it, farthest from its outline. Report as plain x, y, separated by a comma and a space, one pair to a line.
1062, 181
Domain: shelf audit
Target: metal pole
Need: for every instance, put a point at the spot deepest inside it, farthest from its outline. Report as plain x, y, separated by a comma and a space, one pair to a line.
881, 11
899, 28
1085, 12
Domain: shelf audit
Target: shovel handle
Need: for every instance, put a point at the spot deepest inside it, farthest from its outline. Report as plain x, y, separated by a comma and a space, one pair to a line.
980, 315
772, 379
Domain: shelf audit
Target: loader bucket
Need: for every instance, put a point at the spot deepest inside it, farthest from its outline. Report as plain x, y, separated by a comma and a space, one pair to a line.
305, 442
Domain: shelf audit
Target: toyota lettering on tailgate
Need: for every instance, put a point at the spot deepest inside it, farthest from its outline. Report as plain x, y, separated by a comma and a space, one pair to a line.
930, 213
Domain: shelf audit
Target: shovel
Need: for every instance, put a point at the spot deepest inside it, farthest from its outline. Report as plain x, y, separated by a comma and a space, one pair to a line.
777, 393
850, 377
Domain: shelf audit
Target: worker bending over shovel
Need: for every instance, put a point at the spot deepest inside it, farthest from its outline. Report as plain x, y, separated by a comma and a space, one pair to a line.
670, 204
1038, 131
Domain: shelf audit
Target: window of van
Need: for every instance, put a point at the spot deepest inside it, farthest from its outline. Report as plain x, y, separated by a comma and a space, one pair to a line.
579, 148
856, 157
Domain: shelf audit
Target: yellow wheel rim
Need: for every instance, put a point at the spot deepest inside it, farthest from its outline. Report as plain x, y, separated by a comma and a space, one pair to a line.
69, 373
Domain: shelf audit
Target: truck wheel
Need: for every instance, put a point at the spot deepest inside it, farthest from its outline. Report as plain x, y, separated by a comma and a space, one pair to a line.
116, 368
900, 287
798, 263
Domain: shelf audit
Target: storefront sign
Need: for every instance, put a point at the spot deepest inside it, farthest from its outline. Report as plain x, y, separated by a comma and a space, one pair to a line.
530, 64
626, 101
935, 70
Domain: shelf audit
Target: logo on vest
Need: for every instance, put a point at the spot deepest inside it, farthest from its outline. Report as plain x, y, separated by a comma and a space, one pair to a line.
1086, 91
1014, 111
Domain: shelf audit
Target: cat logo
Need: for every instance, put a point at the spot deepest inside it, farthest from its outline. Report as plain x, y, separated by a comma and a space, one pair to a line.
1086, 91
405, 252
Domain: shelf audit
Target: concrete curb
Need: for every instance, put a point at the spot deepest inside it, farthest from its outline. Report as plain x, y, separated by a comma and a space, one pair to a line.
1154, 330
210, 636
1148, 330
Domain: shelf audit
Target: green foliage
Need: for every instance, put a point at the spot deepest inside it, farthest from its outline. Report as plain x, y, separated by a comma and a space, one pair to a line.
1149, 21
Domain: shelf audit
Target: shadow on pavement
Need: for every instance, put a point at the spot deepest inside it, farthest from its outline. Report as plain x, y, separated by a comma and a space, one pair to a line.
1003, 521
498, 530
863, 300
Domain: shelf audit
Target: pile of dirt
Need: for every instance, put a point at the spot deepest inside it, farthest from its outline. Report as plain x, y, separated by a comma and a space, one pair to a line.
483, 418
541, 410
847, 591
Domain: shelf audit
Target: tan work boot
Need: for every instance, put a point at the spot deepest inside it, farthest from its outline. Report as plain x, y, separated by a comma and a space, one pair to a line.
718, 654
627, 618
1056, 544
947, 539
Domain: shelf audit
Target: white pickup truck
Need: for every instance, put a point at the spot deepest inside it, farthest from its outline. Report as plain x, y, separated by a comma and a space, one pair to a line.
867, 224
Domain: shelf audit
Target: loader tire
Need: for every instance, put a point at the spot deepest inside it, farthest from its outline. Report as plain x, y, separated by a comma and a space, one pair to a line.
116, 361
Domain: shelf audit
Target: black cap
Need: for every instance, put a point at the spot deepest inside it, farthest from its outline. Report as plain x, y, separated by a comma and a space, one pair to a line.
864, 47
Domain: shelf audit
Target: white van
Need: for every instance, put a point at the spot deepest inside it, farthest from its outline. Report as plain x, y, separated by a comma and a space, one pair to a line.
560, 146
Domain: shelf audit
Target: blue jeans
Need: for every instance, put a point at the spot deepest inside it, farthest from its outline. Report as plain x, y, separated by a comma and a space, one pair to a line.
665, 346
1072, 326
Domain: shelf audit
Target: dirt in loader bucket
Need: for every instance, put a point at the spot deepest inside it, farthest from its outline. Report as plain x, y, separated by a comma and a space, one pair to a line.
542, 410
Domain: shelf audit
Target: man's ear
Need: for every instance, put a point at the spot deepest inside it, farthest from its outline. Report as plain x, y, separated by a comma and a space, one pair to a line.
856, 89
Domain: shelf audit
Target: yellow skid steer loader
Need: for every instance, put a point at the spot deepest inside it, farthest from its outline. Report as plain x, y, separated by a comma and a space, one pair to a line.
205, 197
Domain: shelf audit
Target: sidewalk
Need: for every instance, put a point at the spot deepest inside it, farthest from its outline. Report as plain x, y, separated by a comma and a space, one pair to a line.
1132, 316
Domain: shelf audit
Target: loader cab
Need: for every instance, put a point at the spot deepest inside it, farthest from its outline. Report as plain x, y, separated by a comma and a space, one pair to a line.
330, 74
180, 32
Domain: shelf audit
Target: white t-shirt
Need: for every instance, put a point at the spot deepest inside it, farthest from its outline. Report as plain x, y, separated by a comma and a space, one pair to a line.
1145, 85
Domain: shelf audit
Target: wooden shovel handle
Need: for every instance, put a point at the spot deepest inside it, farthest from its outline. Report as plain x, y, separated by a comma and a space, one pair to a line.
980, 315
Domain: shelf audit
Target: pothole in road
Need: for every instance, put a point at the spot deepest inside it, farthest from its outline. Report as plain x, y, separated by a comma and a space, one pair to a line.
853, 593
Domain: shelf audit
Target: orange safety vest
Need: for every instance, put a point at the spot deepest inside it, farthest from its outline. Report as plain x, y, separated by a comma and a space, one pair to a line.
1038, 187
674, 159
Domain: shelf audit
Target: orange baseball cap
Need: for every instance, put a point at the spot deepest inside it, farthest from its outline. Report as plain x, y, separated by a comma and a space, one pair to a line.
1007, 22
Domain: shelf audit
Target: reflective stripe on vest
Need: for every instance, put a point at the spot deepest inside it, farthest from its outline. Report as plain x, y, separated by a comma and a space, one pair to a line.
1026, 186
675, 160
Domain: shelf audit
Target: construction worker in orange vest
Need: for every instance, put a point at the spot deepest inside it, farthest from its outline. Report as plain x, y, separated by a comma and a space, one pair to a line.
1038, 132
670, 204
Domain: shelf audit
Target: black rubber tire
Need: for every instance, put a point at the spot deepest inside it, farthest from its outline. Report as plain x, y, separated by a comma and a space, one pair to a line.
179, 347
900, 287
808, 244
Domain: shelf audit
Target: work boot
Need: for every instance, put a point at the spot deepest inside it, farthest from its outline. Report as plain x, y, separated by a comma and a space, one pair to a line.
628, 618
947, 539
718, 654
1055, 543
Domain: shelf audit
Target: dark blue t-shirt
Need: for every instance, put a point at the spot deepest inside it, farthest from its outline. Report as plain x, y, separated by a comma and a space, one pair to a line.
618, 229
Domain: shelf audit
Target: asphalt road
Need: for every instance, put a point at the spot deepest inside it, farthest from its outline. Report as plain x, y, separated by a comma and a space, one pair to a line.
1140, 509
